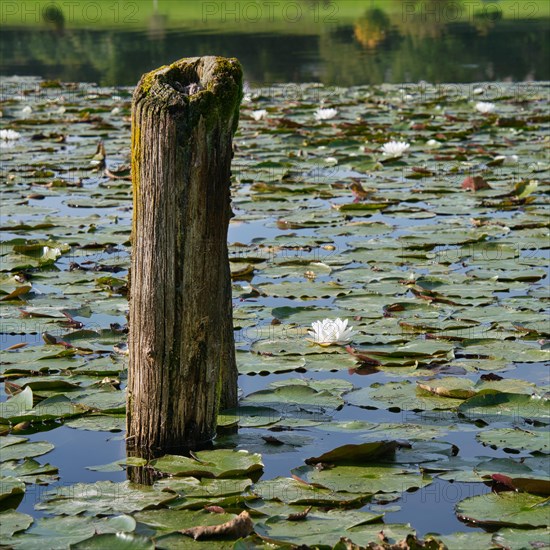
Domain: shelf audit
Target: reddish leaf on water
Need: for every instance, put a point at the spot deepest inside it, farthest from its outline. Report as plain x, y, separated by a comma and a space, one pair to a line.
215, 509
362, 358
490, 377
359, 192
503, 480
422, 170
475, 183
521, 484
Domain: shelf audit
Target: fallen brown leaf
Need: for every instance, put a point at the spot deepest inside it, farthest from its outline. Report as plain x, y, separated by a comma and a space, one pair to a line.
300, 516
239, 527
475, 183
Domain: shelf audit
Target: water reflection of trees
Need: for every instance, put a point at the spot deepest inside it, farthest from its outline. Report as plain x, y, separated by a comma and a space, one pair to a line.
372, 29
376, 48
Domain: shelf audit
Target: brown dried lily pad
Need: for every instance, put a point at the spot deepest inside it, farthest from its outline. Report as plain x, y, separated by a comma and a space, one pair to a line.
239, 527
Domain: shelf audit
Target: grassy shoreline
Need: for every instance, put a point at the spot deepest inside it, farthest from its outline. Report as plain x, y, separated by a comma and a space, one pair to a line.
300, 17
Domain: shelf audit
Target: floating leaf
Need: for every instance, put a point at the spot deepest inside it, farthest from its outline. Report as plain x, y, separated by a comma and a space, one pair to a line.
531, 439
354, 454
475, 183
236, 528
12, 491
11, 522
324, 529
115, 541
62, 531
222, 463
102, 497
17, 448
296, 394
168, 521
505, 509
519, 539
491, 406
291, 491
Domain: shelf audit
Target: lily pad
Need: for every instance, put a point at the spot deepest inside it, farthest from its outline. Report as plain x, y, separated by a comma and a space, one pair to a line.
17, 448
324, 529
355, 454
62, 531
505, 509
528, 439
492, 406
11, 522
115, 541
12, 491
518, 539
222, 463
365, 479
298, 394
168, 521
102, 497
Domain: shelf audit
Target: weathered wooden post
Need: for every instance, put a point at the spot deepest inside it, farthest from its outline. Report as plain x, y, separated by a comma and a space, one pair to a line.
182, 359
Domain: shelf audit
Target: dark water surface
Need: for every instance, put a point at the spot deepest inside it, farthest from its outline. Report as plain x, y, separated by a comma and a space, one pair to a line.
336, 43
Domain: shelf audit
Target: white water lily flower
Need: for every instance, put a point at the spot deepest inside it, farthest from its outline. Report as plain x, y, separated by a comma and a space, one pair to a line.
9, 134
258, 115
325, 114
25, 111
485, 107
331, 331
395, 148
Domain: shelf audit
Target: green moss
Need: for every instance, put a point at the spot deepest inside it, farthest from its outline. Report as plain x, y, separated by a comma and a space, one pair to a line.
148, 79
219, 101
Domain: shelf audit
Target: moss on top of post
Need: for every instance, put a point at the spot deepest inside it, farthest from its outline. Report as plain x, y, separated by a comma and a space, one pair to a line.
210, 86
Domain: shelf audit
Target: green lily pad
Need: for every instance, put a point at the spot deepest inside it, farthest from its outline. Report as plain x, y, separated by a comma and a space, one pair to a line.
248, 363
400, 396
518, 539
115, 541
119, 465
29, 471
62, 531
354, 454
297, 394
249, 417
99, 423
52, 408
324, 529
168, 521
11, 522
519, 439
505, 509
291, 491
17, 448
12, 491
102, 497
365, 479
491, 406
458, 541
222, 463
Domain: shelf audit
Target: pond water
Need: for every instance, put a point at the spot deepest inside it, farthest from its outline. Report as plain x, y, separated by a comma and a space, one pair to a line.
336, 42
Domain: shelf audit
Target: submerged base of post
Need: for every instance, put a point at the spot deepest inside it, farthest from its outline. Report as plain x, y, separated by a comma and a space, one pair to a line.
182, 359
